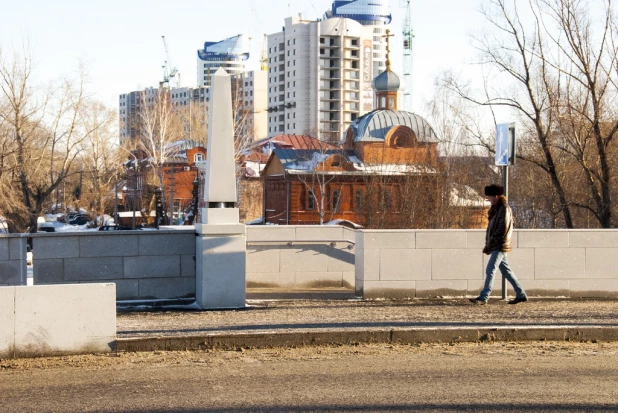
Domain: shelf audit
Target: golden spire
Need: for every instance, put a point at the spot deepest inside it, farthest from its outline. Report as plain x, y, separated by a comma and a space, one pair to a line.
388, 49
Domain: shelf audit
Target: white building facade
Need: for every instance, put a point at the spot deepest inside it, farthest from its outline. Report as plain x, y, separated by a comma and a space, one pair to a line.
320, 74
231, 54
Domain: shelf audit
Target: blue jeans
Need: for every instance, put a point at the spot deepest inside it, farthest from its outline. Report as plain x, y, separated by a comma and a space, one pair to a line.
497, 259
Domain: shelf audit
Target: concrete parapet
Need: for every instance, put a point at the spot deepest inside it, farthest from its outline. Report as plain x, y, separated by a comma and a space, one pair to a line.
144, 264
13, 259
57, 319
576, 263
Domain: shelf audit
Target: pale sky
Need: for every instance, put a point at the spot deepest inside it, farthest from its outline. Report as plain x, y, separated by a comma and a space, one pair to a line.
120, 40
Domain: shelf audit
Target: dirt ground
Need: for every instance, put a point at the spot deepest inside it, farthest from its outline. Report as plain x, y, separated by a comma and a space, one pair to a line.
488, 377
315, 314
129, 360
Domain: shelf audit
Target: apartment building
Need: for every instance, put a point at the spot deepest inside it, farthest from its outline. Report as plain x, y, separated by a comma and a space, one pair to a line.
320, 74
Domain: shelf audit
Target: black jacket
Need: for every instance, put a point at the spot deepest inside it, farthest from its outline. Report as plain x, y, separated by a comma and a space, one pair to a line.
499, 228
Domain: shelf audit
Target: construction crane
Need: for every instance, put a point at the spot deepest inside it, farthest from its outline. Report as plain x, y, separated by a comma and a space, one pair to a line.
408, 37
168, 74
264, 55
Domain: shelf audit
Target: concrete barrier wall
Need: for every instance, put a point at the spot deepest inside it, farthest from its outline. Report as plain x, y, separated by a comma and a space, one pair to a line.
13, 270
316, 258
161, 265
426, 263
143, 264
57, 319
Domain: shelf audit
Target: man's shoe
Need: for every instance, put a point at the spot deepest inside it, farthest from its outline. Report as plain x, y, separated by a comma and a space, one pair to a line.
518, 300
478, 301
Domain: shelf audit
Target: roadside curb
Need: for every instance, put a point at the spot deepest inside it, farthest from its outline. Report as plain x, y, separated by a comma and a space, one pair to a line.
270, 339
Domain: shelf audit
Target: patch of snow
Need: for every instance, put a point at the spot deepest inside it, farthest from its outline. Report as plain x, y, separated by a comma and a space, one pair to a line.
466, 196
256, 221
253, 169
344, 222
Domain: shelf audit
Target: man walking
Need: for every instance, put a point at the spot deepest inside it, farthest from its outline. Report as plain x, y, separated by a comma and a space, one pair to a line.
497, 244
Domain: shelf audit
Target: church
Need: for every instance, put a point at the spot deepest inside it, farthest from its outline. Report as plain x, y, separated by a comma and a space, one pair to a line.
385, 174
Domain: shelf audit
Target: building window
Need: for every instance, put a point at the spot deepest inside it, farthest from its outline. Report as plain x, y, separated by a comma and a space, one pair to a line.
387, 200
198, 157
359, 200
311, 200
335, 198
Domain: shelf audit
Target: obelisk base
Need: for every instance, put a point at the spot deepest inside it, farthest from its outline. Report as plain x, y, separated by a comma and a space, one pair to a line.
220, 262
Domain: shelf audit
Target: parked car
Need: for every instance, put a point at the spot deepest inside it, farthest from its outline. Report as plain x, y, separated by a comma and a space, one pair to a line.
28, 255
47, 227
80, 219
115, 228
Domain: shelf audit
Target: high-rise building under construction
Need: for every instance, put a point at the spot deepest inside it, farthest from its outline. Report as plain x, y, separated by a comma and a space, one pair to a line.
231, 54
320, 71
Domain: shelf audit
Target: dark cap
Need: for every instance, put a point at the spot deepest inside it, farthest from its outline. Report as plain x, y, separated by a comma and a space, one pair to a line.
494, 190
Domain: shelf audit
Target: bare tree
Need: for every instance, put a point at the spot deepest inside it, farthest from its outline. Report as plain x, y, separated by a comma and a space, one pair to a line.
556, 71
100, 157
42, 135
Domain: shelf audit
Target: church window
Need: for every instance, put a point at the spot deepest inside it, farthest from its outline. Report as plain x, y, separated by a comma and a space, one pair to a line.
311, 200
335, 200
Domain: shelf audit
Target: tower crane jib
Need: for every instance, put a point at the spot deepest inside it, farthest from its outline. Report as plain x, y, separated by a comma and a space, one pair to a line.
408, 38
169, 71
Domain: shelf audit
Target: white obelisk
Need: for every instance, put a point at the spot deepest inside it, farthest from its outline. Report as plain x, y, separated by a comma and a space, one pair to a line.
221, 241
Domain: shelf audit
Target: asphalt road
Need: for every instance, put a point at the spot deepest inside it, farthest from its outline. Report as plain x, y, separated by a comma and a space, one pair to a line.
530, 377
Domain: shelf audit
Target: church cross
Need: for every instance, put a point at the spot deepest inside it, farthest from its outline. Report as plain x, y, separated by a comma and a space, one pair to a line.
388, 49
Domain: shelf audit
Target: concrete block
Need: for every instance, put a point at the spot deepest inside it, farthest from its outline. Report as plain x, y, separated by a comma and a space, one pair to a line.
270, 232
152, 243
537, 238
64, 319
93, 269
4, 249
394, 239
440, 239
187, 265
59, 246
441, 288
367, 264
456, 264
359, 239
220, 228
162, 288
318, 279
594, 288
270, 280
12, 273
602, 263
559, 263
151, 266
7, 321
116, 244
349, 280
307, 257
547, 288
17, 248
521, 261
607, 238
264, 258
396, 265
220, 271
389, 289
127, 289
48, 271
319, 232
340, 259
220, 216
475, 239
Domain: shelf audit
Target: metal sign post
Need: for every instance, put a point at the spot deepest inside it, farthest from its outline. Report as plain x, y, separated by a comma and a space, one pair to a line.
505, 156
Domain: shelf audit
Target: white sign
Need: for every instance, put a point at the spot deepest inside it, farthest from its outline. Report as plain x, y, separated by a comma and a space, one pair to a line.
502, 144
